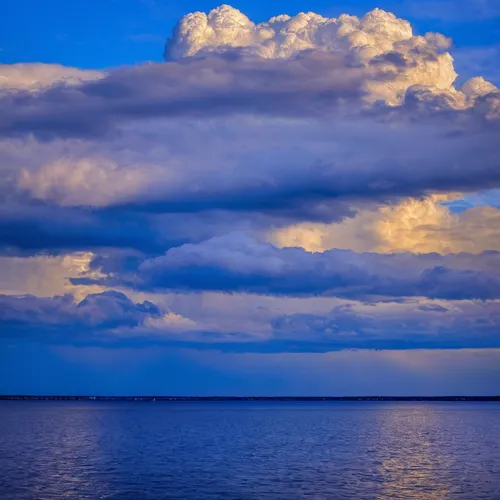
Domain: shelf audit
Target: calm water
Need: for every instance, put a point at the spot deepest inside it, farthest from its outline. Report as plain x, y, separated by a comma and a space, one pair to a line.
197, 451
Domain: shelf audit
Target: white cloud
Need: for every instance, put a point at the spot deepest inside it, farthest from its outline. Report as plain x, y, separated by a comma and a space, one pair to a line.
35, 76
378, 37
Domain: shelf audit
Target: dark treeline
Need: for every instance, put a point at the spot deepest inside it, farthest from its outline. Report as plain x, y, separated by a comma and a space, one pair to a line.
248, 398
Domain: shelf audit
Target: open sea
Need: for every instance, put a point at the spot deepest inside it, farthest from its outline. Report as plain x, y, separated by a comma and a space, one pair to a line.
249, 450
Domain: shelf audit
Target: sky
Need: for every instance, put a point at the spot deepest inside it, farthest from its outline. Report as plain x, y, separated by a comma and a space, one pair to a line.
255, 199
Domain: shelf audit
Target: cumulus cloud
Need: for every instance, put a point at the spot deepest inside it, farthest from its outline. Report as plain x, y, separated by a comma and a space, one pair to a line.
112, 319
273, 127
413, 225
239, 263
283, 36
290, 106
305, 65
379, 37
396, 326
108, 309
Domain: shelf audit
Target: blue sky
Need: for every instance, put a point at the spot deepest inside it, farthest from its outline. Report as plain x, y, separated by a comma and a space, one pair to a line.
306, 207
106, 33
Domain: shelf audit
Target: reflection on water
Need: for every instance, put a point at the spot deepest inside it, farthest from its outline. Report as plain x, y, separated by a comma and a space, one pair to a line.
197, 451
417, 467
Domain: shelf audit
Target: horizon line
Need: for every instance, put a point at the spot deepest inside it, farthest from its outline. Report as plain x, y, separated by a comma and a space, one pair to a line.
66, 397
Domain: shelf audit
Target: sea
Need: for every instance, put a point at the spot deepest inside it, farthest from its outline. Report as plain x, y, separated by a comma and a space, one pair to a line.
249, 450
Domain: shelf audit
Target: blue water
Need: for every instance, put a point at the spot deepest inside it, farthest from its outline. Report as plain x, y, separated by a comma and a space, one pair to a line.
249, 450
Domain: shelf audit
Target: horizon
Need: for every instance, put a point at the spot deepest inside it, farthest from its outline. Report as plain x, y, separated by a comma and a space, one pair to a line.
4, 397
250, 198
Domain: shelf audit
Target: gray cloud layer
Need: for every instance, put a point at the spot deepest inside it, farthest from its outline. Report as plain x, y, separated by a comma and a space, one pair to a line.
112, 319
238, 263
209, 86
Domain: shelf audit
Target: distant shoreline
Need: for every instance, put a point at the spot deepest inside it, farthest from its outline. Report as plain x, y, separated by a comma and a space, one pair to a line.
250, 398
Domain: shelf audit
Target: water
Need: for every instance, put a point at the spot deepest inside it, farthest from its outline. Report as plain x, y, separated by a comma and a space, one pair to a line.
249, 450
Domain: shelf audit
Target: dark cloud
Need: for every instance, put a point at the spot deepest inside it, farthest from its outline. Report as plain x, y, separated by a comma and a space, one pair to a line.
39, 228
239, 263
467, 325
105, 310
433, 308
112, 319
310, 84
28, 230
300, 172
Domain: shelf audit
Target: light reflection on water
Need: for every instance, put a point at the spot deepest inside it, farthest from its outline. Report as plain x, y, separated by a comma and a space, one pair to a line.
417, 467
196, 451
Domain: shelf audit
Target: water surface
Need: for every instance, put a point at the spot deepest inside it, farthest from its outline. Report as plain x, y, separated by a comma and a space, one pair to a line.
249, 450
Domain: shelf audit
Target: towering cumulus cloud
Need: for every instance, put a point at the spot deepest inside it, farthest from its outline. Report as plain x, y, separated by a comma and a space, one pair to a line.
303, 184
379, 38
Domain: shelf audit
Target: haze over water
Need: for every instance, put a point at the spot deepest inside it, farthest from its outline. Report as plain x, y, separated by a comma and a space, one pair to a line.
249, 450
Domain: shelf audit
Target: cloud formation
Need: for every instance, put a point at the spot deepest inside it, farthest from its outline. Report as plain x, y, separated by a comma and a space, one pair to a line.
276, 110
239, 263
378, 38
211, 86
404, 65
306, 131
104, 310
38, 76
414, 225
303, 65
114, 320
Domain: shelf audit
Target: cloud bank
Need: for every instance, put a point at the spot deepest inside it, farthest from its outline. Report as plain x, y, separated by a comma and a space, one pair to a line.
239, 263
111, 319
299, 160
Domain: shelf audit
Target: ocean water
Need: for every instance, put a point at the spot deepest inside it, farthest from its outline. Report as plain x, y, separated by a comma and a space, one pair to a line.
249, 450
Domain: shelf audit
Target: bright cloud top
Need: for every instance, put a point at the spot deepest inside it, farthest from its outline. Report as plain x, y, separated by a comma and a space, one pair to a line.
379, 38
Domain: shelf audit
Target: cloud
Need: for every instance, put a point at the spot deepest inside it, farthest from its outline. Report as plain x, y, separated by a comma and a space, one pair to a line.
413, 225
302, 66
210, 86
300, 169
268, 120
239, 263
35, 229
95, 182
326, 133
114, 320
283, 36
378, 37
396, 326
38, 76
43, 275
104, 310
